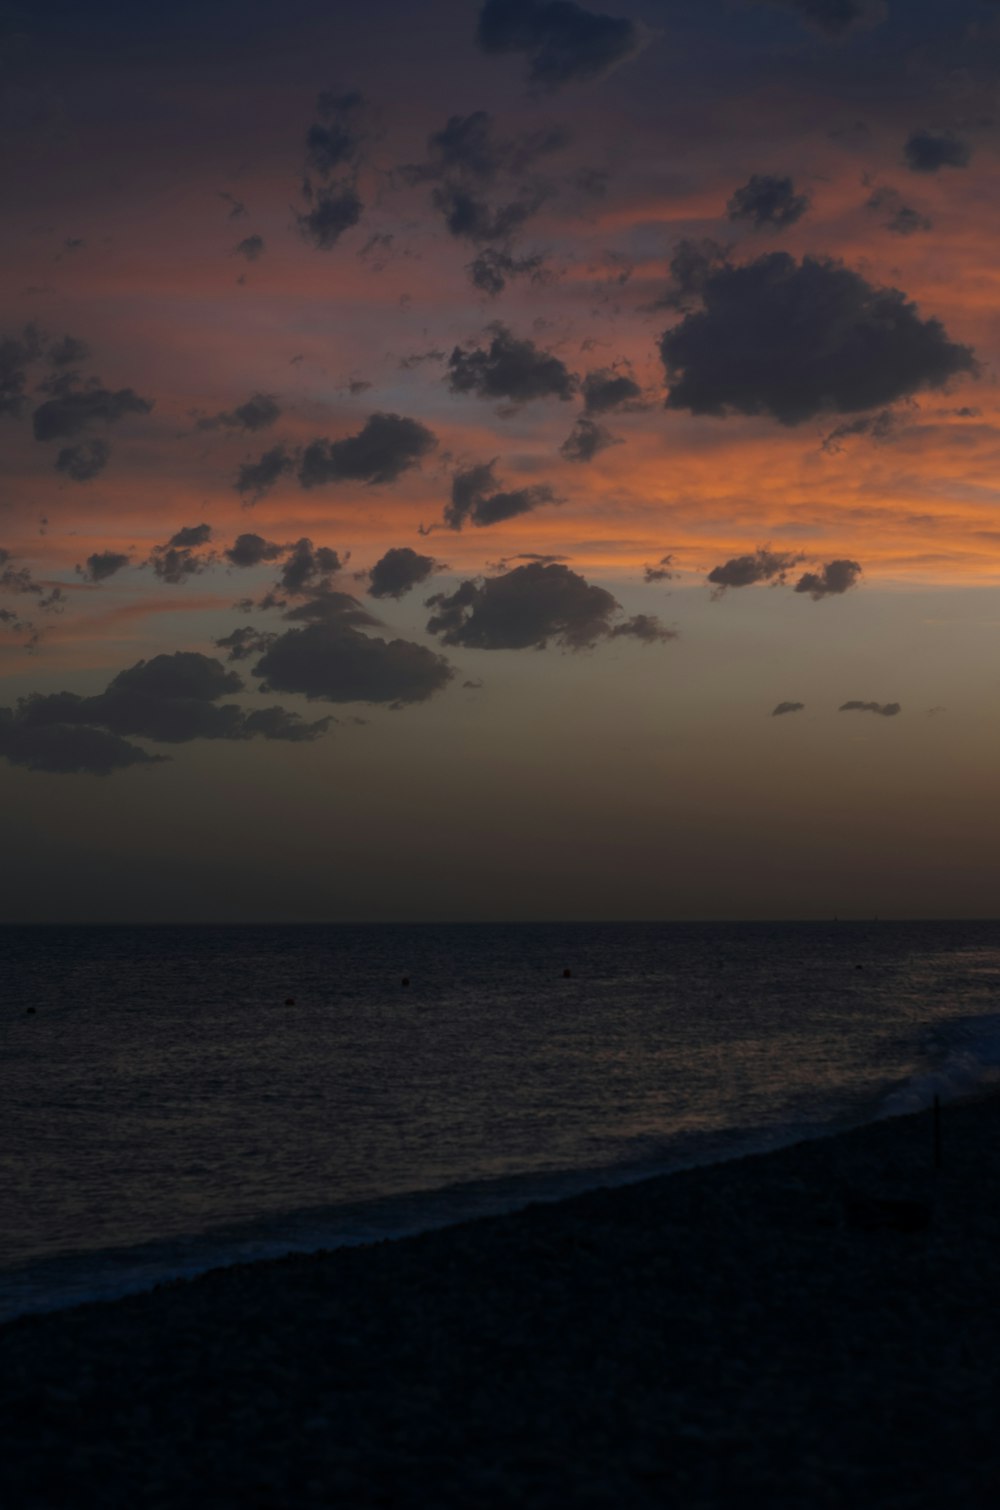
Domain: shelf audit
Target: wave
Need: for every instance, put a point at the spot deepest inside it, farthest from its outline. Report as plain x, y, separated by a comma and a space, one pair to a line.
961, 1059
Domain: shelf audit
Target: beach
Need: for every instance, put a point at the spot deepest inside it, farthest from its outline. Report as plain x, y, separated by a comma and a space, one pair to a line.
817, 1326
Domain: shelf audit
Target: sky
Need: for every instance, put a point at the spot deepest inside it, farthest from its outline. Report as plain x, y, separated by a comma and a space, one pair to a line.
507, 460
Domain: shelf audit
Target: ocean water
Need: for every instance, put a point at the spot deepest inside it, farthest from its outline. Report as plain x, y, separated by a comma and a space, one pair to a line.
172, 1099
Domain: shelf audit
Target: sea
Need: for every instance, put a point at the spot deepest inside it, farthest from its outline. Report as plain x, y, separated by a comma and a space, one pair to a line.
173, 1099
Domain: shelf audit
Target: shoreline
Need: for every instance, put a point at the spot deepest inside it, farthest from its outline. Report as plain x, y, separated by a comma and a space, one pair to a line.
753, 1331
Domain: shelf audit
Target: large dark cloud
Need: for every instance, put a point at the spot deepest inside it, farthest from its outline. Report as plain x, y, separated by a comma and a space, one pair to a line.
259, 412
252, 550
833, 578
929, 151
530, 606
255, 478
398, 571
334, 662
563, 42
75, 405
509, 368
767, 201
385, 447
477, 498
744, 571
796, 339
85, 460
586, 440
102, 565
170, 699
887, 710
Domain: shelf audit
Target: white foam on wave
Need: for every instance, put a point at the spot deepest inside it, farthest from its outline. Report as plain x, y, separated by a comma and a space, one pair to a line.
967, 1055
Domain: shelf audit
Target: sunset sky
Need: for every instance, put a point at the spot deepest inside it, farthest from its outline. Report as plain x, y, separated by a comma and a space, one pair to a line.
500, 461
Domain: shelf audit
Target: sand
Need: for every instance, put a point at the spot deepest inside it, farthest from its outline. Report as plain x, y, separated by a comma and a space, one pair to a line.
747, 1334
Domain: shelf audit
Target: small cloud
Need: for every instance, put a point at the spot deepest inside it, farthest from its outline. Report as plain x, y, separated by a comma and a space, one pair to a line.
763, 565
661, 572
886, 710
101, 565
929, 151
767, 202
786, 708
563, 42
586, 440
259, 412
251, 248
833, 578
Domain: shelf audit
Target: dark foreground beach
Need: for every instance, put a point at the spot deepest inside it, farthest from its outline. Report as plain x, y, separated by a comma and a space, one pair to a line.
814, 1327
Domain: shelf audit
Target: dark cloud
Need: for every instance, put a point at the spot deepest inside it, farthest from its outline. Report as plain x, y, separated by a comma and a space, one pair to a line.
468, 147
85, 460
244, 642
19, 581
563, 42
68, 351
743, 571
530, 606
383, 449
786, 708
795, 339
251, 550
255, 478
834, 17
399, 570
259, 412
178, 559
511, 369
767, 201
901, 218
470, 217
661, 572
929, 151
170, 699
645, 627
67, 749
586, 440
306, 566
102, 564
325, 606
879, 427
417, 358
887, 710
833, 578
478, 499
691, 263
333, 661
607, 389
237, 209
77, 405
330, 216
334, 143
490, 271
16, 355
251, 248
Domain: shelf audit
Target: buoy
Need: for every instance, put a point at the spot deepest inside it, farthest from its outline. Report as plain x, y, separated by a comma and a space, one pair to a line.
567, 974
289, 1001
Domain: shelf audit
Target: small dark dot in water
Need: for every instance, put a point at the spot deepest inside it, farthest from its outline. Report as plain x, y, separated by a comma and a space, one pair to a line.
30, 1012
289, 1001
405, 981
859, 967
567, 974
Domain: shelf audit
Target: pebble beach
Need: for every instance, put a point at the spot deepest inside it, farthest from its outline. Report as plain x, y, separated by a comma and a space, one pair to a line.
816, 1326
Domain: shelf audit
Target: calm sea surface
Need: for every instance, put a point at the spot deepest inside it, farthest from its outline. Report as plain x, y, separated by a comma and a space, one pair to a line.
185, 1097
